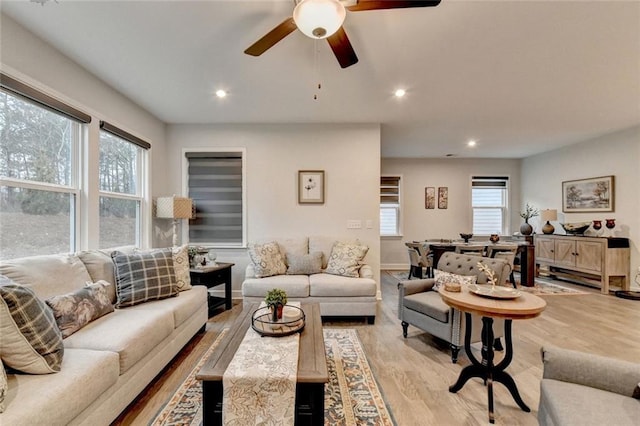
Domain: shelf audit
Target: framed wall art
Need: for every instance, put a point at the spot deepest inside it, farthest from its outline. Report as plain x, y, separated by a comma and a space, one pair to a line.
430, 197
443, 197
588, 195
311, 187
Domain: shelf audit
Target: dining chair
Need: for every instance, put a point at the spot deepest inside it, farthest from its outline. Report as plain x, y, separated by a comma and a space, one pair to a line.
415, 268
507, 253
477, 249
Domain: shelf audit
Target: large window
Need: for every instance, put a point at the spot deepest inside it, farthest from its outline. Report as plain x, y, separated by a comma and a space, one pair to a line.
39, 179
489, 202
216, 183
390, 206
121, 189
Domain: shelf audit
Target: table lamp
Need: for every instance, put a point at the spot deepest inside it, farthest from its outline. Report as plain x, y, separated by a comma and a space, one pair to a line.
548, 215
175, 208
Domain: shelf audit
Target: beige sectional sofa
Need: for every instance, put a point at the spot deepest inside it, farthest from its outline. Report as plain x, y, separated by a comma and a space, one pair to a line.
338, 295
108, 362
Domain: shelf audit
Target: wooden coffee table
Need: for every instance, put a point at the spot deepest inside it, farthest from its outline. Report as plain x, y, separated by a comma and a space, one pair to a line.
524, 307
312, 368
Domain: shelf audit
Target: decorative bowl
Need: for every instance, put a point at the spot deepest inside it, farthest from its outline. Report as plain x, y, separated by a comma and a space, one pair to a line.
466, 237
576, 228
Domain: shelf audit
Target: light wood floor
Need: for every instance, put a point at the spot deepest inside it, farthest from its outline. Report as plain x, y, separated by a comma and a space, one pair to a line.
415, 373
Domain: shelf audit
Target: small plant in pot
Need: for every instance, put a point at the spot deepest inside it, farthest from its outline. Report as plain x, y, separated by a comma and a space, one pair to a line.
276, 299
528, 213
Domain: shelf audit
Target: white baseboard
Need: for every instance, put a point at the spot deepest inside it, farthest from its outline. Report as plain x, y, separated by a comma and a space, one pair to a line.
394, 267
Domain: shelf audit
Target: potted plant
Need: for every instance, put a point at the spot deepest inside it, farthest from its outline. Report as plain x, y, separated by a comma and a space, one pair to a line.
528, 213
276, 299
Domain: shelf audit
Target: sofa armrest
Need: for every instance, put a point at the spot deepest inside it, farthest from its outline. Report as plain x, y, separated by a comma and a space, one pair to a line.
250, 271
407, 287
366, 271
595, 371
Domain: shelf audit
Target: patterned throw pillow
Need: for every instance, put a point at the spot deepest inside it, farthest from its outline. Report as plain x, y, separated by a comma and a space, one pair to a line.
305, 264
4, 386
75, 310
267, 259
442, 277
30, 340
345, 259
181, 267
141, 277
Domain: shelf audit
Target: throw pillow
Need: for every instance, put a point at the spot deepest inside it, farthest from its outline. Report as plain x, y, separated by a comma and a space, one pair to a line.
181, 267
73, 311
30, 340
4, 386
267, 259
442, 277
110, 287
141, 277
345, 259
305, 264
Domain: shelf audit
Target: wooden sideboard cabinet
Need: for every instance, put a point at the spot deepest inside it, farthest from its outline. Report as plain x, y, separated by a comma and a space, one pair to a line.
593, 260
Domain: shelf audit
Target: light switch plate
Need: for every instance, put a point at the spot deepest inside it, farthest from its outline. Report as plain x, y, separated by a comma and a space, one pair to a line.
354, 224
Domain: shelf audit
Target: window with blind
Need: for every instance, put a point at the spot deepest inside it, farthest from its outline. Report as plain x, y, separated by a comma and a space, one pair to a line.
216, 183
489, 203
40, 168
390, 199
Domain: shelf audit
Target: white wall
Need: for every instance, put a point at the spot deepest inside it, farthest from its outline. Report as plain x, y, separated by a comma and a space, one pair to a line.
349, 155
33, 61
617, 154
419, 223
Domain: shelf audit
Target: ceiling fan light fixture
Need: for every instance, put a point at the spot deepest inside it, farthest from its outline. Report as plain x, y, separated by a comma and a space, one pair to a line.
319, 18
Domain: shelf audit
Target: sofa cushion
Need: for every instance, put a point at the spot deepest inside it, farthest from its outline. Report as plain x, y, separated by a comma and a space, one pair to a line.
337, 286
429, 303
267, 259
324, 244
144, 276
56, 399
131, 333
442, 277
30, 340
294, 285
565, 404
294, 246
99, 265
4, 388
183, 305
304, 264
47, 275
345, 259
75, 310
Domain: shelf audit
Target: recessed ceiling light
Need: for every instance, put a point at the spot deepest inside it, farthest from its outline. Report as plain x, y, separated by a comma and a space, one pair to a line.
400, 93
471, 143
221, 93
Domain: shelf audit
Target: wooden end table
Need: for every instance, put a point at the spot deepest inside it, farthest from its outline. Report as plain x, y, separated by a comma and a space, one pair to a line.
212, 276
524, 307
312, 369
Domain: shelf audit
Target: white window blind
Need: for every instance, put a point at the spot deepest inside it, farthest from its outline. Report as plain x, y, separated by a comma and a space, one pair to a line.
215, 183
390, 205
489, 203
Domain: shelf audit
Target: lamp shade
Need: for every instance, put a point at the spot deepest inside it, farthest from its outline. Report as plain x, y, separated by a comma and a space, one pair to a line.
174, 207
319, 18
549, 215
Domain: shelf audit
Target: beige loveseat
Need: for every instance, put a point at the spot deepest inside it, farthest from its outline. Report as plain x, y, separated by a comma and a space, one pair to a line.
108, 362
337, 295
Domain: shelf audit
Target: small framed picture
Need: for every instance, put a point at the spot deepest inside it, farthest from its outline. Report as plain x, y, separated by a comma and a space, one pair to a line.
430, 197
443, 197
311, 187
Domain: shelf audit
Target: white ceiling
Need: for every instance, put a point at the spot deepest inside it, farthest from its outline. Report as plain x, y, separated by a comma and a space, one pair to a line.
520, 77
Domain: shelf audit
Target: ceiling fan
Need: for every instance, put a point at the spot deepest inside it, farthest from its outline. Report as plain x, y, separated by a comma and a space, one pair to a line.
320, 19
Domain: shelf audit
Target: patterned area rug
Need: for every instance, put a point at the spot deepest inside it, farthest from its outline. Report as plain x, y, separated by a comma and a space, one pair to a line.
351, 397
542, 287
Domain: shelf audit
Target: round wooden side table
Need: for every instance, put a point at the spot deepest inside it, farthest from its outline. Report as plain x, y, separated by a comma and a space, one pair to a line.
523, 307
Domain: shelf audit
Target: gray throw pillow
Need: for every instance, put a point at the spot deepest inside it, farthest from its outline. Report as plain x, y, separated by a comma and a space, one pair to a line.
141, 277
305, 264
73, 311
30, 340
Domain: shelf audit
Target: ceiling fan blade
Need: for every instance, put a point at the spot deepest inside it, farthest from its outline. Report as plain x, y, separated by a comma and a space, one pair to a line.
342, 48
285, 28
390, 4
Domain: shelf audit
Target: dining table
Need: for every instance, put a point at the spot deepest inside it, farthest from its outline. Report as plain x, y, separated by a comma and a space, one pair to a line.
525, 252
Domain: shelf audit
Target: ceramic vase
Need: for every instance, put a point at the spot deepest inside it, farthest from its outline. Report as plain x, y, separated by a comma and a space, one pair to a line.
526, 229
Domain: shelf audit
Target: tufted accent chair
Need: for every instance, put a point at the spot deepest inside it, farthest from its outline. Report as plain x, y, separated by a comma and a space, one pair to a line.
422, 307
